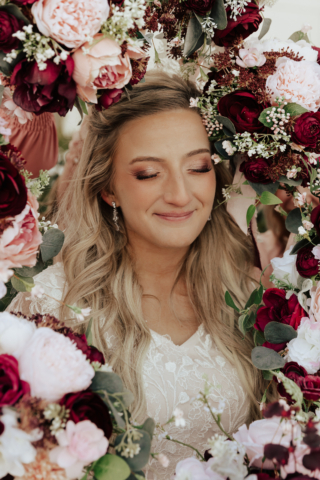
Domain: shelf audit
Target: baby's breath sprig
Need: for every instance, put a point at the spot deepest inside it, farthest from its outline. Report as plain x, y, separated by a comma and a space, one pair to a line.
36, 185
124, 18
236, 6
264, 145
208, 26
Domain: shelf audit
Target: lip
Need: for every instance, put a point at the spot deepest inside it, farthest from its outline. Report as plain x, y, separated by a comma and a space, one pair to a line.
174, 216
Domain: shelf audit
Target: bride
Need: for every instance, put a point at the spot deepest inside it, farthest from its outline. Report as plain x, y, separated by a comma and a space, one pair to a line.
147, 249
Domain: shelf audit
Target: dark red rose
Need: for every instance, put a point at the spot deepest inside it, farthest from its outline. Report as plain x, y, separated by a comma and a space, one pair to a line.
307, 130
118, 2
92, 353
315, 218
200, 7
23, 2
49, 90
278, 309
276, 452
244, 25
317, 49
306, 264
108, 98
310, 387
88, 406
311, 461
275, 409
293, 371
13, 190
243, 110
9, 25
256, 170
11, 387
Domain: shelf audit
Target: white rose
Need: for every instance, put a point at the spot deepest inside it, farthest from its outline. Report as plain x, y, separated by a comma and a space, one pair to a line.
305, 348
285, 268
53, 366
15, 334
302, 48
193, 469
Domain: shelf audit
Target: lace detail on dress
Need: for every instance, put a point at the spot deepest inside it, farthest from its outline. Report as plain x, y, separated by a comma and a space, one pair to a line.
173, 377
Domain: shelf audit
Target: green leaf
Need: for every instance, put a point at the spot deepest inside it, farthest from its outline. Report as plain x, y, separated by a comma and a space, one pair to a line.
52, 242
149, 426
230, 128
7, 299
266, 359
7, 68
230, 302
255, 297
268, 198
265, 27
108, 381
263, 117
246, 322
258, 338
22, 284
294, 109
141, 459
111, 467
218, 14
304, 243
194, 37
89, 332
15, 11
127, 397
220, 150
250, 213
137, 476
276, 332
1, 92
290, 387
297, 36
294, 220
290, 181
83, 106
267, 376
31, 271
259, 188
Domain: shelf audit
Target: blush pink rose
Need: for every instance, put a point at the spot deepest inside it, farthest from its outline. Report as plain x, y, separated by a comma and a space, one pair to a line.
79, 445
250, 57
19, 243
102, 66
297, 82
315, 302
70, 22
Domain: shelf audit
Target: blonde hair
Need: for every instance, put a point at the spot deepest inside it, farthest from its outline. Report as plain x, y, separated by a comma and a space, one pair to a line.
100, 272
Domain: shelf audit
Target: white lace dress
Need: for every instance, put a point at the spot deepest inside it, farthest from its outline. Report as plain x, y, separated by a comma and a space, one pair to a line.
173, 377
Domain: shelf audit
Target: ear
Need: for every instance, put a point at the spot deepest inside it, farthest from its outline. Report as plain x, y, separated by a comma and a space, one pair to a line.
108, 197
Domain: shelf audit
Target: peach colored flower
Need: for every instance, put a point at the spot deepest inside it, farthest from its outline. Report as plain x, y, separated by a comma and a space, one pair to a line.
19, 243
79, 445
43, 469
250, 57
14, 110
6, 132
297, 82
102, 66
70, 22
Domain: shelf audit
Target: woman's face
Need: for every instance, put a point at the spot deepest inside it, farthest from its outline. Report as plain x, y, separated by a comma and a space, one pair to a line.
164, 179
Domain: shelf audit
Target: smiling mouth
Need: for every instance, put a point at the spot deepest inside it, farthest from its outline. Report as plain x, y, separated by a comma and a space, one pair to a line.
174, 216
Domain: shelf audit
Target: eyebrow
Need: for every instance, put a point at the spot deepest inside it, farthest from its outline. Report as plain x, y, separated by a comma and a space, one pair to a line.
157, 159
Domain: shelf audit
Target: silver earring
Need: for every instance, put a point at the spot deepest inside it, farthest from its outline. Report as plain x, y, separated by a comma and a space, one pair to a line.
209, 218
115, 216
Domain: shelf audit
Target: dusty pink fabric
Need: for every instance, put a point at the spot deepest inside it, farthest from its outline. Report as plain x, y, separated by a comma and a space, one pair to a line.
37, 140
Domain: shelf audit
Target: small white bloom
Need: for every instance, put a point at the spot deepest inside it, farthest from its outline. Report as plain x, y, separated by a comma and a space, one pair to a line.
305, 348
235, 73
178, 418
229, 148
306, 28
292, 173
37, 292
216, 158
194, 102
300, 199
302, 231
307, 225
15, 334
163, 460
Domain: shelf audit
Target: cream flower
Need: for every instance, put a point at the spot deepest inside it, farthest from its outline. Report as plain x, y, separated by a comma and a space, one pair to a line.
250, 57
305, 348
297, 82
70, 22
15, 334
302, 48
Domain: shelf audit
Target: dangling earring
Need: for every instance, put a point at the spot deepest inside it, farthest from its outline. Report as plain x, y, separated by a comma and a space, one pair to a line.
115, 216
209, 218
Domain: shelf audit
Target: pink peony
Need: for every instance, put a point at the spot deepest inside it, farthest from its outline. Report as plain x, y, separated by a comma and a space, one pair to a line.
316, 251
19, 243
70, 22
102, 66
14, 110
259, 434
79, 445
193, 469
5, 272
298, 82
53, 366
250, 57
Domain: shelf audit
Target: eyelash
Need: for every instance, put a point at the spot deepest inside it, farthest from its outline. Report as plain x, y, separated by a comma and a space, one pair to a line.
139, 176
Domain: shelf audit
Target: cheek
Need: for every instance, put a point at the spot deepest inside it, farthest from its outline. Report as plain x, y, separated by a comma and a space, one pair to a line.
134, 195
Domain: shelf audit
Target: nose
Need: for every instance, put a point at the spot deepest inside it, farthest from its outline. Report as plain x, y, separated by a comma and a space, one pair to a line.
177, 191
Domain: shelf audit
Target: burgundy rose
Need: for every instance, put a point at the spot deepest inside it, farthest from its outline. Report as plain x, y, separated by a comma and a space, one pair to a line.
13, 191
306, 264
278, 309
49, 90
20, 3
92, 353
280, 453
315, 218
243, 110
11, 387
317, 49
200, 7
307, 130
108, 98
9, 25
294, 372
88, 406
256, 170
244, 25
310, 387
118, 2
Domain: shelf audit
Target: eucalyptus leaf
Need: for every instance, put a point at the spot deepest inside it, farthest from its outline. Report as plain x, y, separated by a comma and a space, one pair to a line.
149, 426
111, 467
127, 397
276, 332
141, 459
137, 476
1, 92
194, 37
246, 322
230, 302
83, 106
267, 375
266, 359
118, 418
265, 27
22, 284
89, 332
219, 15
258, 338
294, 220
15, 11
259, 188
226, 122
31, 271
264, 115
7, 68
52, 242
304, 243
294, 109
255, 297
78, 107
297, 36
268, 198
250, 213
290, 181
108, 381
7, 299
